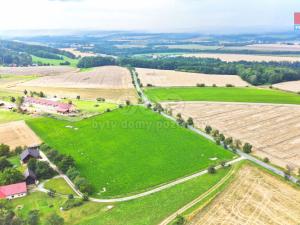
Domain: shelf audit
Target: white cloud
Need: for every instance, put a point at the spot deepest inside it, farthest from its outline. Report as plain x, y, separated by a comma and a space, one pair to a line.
159, 15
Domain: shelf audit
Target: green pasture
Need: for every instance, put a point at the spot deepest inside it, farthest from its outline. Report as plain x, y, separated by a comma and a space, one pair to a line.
129, 150
223, 94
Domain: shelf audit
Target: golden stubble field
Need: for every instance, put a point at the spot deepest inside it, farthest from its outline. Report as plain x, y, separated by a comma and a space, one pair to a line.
37, 70
110, 82
273, 130
293, 86
170, 78
17, 134
244, 57
254, 197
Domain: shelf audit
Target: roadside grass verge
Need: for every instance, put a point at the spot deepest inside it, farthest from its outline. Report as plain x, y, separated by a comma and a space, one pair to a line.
149, 210
129, 150
218, 94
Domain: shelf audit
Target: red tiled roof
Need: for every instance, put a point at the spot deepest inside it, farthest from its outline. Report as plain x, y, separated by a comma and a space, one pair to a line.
60, 105
12, 189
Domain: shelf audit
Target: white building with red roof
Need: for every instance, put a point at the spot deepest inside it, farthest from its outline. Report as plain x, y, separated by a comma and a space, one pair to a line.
13, 191
49, 105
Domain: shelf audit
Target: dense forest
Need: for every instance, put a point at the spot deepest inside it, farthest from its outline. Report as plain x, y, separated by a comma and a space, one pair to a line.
256, 73
18, 53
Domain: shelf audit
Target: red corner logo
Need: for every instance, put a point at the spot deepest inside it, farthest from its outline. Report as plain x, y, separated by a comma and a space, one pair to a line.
297, 20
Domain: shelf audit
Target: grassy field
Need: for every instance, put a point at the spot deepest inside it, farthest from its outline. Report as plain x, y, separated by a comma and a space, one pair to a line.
59, 185
254, 95
54, 62
149, 210
92, 106
129, 150
9, 116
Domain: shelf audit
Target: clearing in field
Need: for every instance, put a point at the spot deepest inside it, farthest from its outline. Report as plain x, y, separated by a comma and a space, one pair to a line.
170, 78
245, 57
130, 149
255, 95
17, 134
37, 70
293, 86
254, 197
273, 130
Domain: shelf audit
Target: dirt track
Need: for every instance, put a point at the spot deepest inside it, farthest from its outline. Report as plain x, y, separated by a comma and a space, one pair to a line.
254, 197
273, 130
170, 78
17, 134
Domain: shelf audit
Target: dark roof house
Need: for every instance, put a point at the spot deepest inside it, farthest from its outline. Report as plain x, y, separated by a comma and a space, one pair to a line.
31, 152
30, 177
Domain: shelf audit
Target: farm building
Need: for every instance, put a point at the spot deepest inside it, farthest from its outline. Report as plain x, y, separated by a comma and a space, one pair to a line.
13, 191
49, 105
31, 152
30, 177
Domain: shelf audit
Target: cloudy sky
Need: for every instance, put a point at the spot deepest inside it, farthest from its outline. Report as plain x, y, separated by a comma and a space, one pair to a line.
149, 15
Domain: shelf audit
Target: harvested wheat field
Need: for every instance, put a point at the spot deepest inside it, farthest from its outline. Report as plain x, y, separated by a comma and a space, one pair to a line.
37, 70
254, 197
170, 78
106, 77
78, 53
273, 130
17, 134
289, 86
245, 57
110, 82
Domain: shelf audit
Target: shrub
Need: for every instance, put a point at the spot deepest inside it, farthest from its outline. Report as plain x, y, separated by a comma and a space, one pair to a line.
66, 163
214, 85
18, 150
4, 150
215, 133
43, 170
208, 129
229, 85
10, 176
83, 185
72, 173
266, 160
71, 203
54, 219
247, 148
128, 102
200, 85
4, 163
190, 121
211, 170
179, 220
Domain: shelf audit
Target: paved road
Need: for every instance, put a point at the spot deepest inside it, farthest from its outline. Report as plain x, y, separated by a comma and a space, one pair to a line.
246, 156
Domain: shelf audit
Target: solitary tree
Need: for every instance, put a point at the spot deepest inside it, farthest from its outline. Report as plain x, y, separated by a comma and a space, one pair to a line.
78, 97
190, 121
247, 148
208, 129
211, 170
25, 92
238, 144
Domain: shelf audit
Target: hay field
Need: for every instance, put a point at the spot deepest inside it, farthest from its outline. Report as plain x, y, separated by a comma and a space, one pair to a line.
244, 57
37, 70
170, 78
289, 86
78, 53
273, 47
254, 197
273, 130
17, 134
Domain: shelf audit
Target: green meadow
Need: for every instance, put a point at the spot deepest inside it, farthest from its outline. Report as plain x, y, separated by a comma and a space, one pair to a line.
54, 62
129, 150
255, 95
